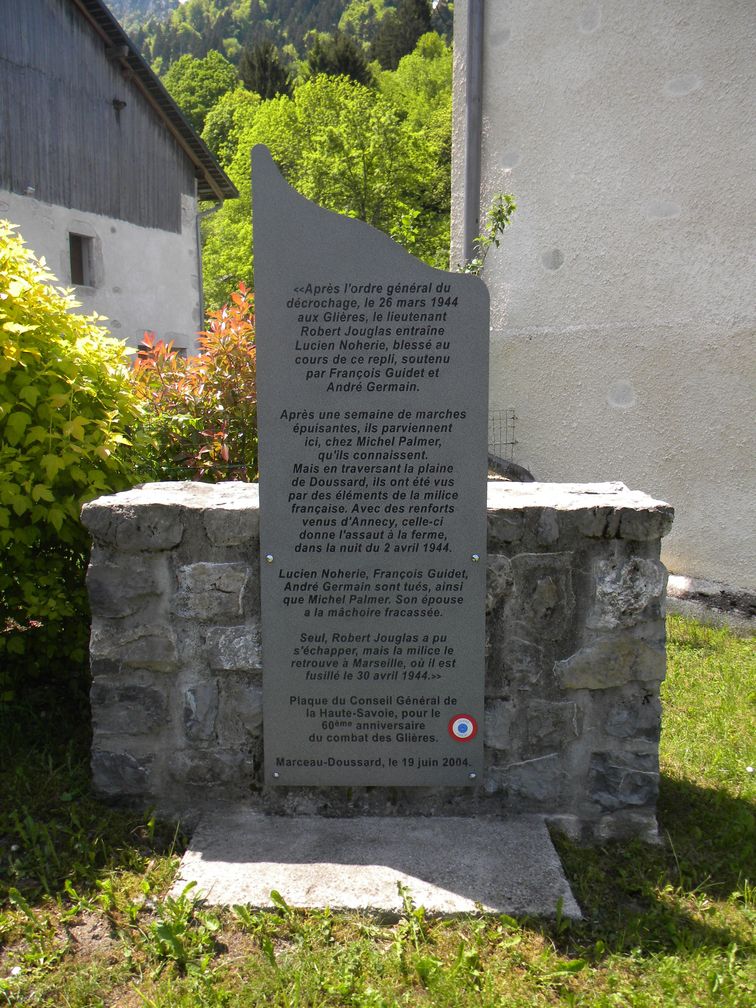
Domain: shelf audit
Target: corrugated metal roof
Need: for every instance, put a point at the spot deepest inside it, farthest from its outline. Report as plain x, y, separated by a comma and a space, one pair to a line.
212, 181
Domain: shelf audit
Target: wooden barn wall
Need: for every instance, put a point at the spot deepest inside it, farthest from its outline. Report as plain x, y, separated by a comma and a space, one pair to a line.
59, 130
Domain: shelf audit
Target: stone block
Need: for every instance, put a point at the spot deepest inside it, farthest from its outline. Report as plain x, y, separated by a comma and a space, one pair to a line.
121, 589
234, 649
498, 580
147, 528
547, 529
505, 527
499, 719
129, 523
634, 713
240, 721
596, 522
551, 725
120, 773
531, 782
212, 591
617, 779
150, 646
524, 662
213, 768
611, 661
646, 525
98, 519
544, 599
632, 823
237, 527
200, 711
624, 589
104, 667
127, 708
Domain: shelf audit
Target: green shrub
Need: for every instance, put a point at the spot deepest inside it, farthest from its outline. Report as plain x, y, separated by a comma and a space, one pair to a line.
200, 413
65, 406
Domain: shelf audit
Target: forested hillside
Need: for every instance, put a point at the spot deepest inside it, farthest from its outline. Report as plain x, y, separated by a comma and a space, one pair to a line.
353, 98
132, 13
166, 29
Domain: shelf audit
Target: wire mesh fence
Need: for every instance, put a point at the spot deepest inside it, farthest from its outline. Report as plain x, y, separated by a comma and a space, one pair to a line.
501, 433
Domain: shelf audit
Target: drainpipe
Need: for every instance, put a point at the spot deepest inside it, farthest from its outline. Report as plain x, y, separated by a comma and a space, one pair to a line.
473, 127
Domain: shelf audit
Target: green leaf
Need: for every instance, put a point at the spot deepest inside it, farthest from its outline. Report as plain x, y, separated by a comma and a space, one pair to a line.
17, 287
56, 516
278, 901
36, 433
52, 464
41, 492
30, 394
20, 504
572, 966
15, 425
75, 428
17, 327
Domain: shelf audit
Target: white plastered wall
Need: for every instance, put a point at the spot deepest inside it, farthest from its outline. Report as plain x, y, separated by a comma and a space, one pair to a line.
622, 322
144, 278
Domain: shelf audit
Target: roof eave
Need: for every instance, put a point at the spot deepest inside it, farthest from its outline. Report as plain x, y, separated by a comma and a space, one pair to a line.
212, 181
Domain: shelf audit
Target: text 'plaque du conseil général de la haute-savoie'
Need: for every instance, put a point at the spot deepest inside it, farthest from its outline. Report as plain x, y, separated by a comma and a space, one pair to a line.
372, 386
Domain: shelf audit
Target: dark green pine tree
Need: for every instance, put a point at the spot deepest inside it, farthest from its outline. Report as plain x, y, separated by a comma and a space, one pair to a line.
338, 55
261, 70
399, 31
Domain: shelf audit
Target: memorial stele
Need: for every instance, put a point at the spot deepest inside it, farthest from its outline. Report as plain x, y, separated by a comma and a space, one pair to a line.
372, 416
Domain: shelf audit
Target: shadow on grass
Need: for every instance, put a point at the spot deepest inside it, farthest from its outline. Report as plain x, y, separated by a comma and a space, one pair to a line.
712, 833
657, 898
51, 828
634, 896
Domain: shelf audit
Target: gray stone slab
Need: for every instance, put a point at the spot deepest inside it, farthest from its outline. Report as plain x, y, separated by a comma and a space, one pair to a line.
372, 373
450, 865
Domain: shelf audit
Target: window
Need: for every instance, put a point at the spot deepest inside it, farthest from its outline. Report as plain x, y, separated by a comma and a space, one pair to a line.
80, 250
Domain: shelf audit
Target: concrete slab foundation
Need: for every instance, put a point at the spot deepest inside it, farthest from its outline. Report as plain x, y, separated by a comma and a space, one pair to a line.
450, 865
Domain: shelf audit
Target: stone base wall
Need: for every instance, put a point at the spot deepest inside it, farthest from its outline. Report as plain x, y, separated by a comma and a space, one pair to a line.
575, 643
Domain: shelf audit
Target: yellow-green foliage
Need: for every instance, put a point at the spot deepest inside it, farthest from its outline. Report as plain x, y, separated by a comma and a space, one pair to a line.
344, 146
65, 403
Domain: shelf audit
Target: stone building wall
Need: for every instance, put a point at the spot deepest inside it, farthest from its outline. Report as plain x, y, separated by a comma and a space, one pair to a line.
141, 278
622, 309
575, 641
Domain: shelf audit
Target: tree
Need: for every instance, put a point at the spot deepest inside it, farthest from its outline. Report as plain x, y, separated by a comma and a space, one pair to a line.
228, 26
420, 88
399, 31
261, 70
226, 119
361, 19
338, 55
197, 84
348, 149
442, 19
421, 84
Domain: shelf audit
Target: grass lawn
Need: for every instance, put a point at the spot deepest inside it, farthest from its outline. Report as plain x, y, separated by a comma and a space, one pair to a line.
84, 920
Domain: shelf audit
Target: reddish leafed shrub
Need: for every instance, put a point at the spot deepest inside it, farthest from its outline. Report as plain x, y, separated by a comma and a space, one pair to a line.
201, 412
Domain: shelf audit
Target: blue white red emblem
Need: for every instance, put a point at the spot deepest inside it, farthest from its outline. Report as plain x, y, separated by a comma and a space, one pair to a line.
463, 728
